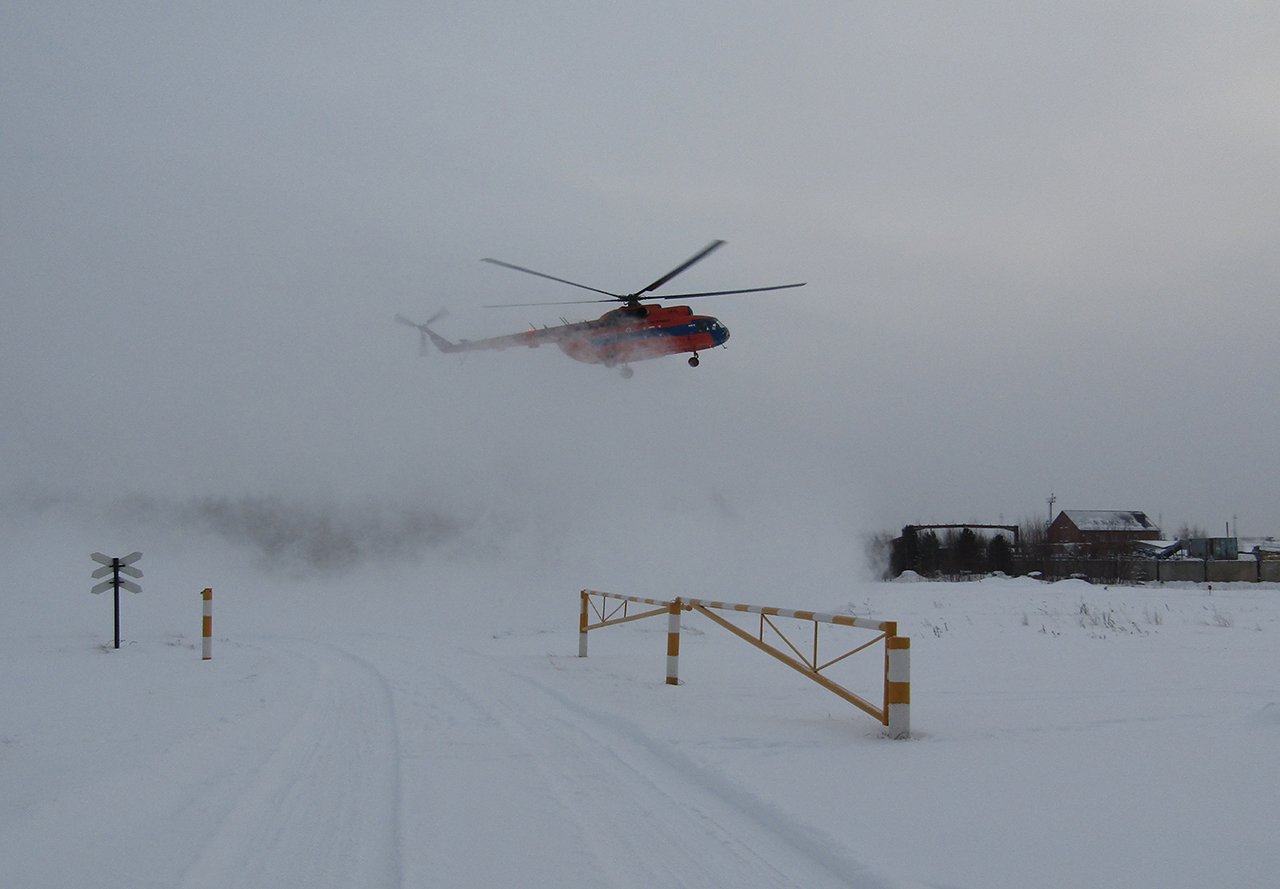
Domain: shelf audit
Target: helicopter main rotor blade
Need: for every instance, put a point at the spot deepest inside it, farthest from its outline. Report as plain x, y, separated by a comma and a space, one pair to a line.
667, 297
671, 296
563, 302
698, 257
520, 268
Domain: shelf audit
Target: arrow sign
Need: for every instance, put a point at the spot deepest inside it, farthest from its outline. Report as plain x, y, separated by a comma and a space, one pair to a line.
123, 569
130, 559
130, 586
100, 558
103, 587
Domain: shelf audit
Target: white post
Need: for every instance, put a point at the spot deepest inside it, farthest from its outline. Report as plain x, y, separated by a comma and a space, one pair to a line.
897, 685
673, 643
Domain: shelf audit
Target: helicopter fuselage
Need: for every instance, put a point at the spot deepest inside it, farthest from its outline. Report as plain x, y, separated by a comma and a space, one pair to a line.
617, 338
634, 333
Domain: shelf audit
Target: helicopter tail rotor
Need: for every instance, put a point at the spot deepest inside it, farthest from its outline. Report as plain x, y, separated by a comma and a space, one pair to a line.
424, 331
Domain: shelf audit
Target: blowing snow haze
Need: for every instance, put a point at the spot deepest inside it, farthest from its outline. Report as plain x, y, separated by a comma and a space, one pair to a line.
1038, 247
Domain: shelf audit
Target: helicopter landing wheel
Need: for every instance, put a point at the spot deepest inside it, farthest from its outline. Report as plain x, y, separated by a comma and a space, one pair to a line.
693, 361
627, 373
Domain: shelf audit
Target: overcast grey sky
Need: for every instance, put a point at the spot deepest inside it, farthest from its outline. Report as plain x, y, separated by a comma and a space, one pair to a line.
1039, 241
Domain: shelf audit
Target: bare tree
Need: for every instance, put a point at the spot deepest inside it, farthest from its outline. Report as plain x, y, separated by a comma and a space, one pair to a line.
1189, 532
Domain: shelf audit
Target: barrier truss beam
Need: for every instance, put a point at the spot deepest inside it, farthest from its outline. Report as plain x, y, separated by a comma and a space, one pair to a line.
893, 712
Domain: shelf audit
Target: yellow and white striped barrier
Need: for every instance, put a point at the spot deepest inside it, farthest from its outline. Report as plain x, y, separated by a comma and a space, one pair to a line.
588, 607
846, 620
206, 649
894, 712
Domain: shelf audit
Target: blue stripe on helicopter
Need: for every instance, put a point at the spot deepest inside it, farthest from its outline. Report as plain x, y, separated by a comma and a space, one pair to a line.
683, 330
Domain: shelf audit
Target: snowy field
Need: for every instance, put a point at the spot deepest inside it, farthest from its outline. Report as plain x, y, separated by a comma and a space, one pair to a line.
427, 723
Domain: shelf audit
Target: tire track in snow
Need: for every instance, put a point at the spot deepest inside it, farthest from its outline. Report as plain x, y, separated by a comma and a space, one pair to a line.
323, 809
801, 855
638, 813
474, 801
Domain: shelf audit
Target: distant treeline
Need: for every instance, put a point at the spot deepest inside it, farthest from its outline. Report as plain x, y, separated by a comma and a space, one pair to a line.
965, 552
954, 553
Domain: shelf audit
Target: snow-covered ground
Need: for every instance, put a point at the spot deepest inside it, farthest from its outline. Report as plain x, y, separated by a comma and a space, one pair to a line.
427, 723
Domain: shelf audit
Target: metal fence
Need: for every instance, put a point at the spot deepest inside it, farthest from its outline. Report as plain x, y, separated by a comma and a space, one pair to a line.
1155, 570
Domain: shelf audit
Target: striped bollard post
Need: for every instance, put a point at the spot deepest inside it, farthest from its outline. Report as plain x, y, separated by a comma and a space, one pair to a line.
673, 643
206, 652
582, 626
897, 685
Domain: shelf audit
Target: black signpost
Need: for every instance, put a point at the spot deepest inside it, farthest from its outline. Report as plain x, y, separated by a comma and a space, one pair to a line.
115, 566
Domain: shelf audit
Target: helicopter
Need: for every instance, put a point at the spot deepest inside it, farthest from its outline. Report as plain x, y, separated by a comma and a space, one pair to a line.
634, 331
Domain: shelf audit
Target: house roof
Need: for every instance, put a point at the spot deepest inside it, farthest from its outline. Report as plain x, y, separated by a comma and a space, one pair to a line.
1109, 520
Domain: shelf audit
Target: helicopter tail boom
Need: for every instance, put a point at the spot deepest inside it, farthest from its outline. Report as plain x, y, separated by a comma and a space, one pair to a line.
441, 343
530, 338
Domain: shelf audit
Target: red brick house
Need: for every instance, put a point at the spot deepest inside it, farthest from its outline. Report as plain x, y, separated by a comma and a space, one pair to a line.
1107, 530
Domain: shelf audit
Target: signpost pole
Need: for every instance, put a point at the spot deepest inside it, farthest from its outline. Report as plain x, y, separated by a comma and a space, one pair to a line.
115, 586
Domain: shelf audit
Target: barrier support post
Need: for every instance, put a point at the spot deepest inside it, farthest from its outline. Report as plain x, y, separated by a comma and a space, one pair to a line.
582, 626
673, 642
897, 686
207, 642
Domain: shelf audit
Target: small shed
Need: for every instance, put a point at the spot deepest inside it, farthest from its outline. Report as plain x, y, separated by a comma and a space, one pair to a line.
1213, 548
